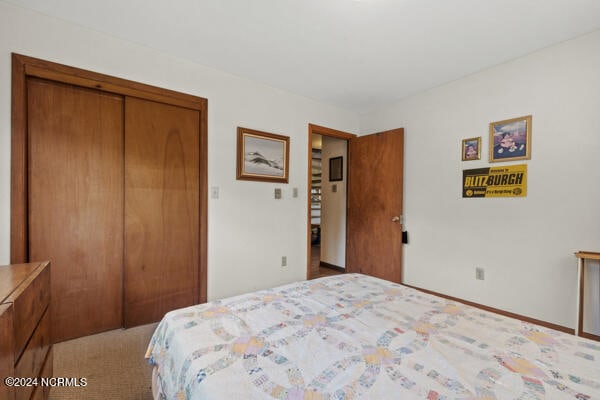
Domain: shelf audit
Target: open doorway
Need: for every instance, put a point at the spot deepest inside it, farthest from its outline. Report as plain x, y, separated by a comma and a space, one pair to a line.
327, 201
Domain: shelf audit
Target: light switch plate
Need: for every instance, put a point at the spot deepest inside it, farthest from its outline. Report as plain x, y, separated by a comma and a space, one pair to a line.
278, 193
479, 273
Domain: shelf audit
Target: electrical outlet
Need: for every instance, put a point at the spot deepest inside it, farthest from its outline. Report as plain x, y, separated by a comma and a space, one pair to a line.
214, 192
277, 193
479, 273
283, 261
295, 192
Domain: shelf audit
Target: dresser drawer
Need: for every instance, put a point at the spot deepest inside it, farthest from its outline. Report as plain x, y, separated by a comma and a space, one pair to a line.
47, 371
7, 361
42, 392
31, 362
38, 394
29, 303
25, 328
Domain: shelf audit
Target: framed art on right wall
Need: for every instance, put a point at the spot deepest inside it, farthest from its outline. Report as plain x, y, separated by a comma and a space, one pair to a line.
510, 139
471, 149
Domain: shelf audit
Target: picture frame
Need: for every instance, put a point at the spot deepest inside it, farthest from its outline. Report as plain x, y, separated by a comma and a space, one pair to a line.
262, 156
510, 139
471, 149
336, 169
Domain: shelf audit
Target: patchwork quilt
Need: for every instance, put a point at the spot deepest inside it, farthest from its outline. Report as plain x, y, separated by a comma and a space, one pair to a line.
357, 337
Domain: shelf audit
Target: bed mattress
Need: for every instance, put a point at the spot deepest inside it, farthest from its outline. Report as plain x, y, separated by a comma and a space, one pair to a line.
352, 336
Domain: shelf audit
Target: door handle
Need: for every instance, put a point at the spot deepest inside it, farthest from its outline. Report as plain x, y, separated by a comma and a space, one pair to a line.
395, 219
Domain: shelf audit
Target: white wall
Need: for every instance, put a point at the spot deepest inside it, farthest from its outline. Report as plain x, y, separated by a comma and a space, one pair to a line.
525, 245
333, 205
249, 231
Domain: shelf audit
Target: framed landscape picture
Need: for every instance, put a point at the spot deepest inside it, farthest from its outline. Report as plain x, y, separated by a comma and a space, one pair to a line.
262, 156
510, 139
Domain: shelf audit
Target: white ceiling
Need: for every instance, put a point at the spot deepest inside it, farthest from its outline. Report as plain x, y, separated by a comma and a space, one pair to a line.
358, 55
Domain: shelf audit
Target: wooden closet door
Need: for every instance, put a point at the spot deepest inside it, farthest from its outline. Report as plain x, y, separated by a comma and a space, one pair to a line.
161, 209
76, 203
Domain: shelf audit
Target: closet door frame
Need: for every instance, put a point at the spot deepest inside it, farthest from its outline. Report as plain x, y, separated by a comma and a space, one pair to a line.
24, 67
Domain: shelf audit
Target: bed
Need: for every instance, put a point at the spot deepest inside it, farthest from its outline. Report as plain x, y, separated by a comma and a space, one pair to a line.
353, 336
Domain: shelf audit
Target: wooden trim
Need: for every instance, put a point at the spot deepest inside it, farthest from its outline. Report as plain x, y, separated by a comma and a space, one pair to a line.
24, 67
589, 336
498, 311
18, 186
581, 294
203, 254
332, 266
79, 77
323, 131
308, 200
591, 255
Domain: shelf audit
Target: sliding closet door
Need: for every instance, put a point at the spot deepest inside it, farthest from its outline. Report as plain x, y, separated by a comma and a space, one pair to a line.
76, 203
161, 209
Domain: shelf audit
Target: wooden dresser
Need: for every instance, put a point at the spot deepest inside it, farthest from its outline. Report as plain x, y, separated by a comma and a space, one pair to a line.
25, 343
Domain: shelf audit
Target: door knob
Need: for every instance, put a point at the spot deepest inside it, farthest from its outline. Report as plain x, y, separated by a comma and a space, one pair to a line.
396, 219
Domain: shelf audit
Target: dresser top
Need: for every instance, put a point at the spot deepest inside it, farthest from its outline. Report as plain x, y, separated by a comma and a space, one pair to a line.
11, 276
588, 254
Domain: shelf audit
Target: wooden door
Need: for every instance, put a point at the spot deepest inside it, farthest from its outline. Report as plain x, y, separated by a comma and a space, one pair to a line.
76, 203
161, 209
375, 171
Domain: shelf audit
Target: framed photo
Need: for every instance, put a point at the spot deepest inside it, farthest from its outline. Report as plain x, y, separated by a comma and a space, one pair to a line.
510, 139
471, 149
336, 169
262, 156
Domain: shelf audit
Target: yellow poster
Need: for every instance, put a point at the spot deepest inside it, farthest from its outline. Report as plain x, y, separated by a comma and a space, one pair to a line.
507, 181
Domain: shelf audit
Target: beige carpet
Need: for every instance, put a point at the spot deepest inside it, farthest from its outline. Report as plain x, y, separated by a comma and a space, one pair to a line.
112, 362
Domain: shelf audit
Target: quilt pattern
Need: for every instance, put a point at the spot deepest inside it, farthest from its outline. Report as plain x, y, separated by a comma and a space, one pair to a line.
357, 337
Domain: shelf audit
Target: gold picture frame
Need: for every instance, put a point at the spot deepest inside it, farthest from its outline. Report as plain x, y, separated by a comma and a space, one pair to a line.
471, 149
510, 139
262, 156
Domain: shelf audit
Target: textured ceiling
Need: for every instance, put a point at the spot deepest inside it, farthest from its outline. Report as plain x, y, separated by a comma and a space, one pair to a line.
358, 55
